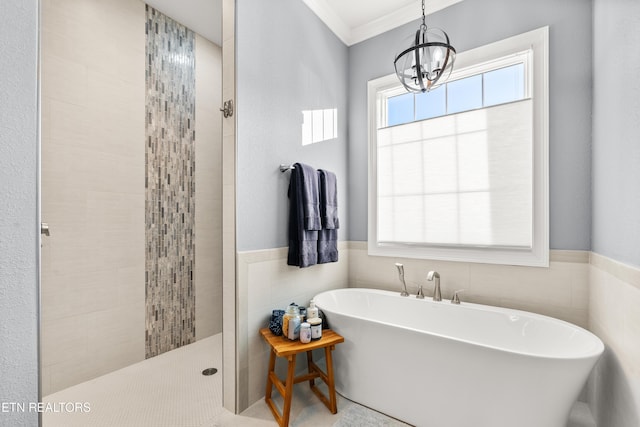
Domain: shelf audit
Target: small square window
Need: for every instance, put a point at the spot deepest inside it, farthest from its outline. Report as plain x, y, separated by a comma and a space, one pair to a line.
319, 125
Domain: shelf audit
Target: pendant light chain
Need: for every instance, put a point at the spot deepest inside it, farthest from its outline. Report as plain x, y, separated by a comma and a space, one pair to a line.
424, 23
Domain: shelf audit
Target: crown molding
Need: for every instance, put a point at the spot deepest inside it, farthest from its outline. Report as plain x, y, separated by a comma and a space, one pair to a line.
351, 36
331, 19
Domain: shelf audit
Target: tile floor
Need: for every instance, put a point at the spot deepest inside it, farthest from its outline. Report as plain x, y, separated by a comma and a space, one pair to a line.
170, 391
308, 411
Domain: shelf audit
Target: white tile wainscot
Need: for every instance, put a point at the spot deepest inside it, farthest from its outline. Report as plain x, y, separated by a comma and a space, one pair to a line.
560, 291
614, 387
266, 282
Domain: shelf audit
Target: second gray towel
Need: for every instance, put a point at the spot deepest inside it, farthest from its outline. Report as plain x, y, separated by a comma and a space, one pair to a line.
328, 236
328, 199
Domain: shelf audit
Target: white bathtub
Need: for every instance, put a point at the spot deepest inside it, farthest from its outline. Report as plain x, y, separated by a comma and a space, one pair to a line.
436, 364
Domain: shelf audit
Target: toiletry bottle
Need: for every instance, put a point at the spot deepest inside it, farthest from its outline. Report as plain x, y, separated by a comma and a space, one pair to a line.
294, 327
292, 310
312, 311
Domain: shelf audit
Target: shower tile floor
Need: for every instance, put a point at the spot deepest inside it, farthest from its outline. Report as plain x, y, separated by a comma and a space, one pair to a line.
170, 391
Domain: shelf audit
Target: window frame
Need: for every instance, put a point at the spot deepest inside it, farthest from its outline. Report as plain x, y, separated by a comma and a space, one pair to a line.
537, 88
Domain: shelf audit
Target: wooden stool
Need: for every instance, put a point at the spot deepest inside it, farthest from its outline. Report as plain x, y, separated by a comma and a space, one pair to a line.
283, 347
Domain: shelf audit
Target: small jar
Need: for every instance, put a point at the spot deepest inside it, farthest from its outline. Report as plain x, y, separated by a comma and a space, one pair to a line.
305, 333
316, 328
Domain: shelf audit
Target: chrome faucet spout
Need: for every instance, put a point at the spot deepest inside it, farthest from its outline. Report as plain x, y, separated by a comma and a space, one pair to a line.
437, 296
400, 268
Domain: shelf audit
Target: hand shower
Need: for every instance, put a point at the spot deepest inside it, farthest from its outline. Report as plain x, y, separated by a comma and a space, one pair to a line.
400, 268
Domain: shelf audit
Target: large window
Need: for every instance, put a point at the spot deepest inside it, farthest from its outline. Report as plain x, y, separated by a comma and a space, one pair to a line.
460, 173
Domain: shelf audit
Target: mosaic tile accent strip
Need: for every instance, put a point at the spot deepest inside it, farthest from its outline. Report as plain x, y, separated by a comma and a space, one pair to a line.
170, 184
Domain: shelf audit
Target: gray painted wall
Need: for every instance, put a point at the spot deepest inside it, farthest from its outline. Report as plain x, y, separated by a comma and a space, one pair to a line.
287, 61
474, 23
616, 131
18, 209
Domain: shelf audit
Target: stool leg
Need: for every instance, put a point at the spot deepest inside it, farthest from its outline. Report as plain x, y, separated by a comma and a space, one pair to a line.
288, 393
272, 364
271, 377
309, 364
331, 383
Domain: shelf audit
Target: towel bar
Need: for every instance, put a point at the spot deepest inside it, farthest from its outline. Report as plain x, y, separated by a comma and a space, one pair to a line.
284, 168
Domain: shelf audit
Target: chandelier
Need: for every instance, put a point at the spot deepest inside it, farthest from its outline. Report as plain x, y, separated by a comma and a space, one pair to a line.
428, 62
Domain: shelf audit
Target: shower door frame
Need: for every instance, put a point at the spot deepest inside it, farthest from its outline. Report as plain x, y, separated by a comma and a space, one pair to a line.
229, 235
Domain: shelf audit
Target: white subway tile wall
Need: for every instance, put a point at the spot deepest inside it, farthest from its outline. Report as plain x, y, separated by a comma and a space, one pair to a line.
93, 111
208, 220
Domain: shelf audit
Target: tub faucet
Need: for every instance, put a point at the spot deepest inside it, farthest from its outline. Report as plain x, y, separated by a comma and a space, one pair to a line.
436, 290
400, 268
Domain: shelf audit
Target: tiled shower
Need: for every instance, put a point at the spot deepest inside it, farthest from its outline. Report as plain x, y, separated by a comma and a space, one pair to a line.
132, 268
170, 184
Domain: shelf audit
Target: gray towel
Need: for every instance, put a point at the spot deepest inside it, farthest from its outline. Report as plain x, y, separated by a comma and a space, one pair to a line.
310, 197
328, 236
327, 246
328, 199
303, 244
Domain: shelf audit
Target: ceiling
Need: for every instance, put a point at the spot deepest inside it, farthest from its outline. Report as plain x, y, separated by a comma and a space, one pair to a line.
202, 16
351, 20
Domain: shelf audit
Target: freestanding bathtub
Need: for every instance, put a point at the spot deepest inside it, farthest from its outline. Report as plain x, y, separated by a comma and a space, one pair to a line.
436, 364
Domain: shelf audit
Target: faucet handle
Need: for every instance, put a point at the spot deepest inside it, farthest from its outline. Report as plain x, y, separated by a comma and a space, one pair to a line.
455, 299
420, 294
